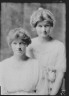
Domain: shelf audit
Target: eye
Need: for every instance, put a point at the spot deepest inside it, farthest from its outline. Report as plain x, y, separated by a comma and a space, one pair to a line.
14, 43
39, 25
21, 43
47, 25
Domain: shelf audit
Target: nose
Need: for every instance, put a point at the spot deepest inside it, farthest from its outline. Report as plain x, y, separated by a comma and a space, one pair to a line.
18, 46
20, 49
44, 29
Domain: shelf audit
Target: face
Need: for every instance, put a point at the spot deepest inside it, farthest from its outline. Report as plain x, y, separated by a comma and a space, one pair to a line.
18, 47
43, 29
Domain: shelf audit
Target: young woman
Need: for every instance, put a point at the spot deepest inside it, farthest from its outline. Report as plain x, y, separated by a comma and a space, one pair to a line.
20, 75
49, 52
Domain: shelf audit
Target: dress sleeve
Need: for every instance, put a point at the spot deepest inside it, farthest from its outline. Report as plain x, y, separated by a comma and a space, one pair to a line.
61, 59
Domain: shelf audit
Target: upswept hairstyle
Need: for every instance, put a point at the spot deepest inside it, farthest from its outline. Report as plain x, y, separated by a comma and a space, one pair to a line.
41, 15
18, 33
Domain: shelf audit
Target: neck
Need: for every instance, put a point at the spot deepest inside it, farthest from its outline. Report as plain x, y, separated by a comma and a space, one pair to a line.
20, 58
45, 39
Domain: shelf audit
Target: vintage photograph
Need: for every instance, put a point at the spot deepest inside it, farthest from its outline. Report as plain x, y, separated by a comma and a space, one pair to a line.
33, 48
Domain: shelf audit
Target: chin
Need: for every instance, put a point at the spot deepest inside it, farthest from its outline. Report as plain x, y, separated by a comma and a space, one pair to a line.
44, 36
19, 54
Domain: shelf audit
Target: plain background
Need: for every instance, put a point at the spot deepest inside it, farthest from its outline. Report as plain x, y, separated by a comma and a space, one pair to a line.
15, 15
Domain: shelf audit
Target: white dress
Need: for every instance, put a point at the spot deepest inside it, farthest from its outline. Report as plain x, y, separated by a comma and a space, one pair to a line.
51, 55
33, 75
15, 78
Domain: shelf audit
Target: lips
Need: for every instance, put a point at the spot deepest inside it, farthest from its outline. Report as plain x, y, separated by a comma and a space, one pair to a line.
45, 32
19, 51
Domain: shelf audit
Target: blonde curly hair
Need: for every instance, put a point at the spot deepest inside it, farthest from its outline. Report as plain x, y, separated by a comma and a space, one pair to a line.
41, 15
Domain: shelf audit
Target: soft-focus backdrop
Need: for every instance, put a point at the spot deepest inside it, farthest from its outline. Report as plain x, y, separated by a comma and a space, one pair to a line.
18, 15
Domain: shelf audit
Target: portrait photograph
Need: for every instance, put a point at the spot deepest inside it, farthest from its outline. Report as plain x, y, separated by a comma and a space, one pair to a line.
34, 48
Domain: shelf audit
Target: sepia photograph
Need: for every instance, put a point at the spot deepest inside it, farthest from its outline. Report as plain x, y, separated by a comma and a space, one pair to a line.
33, 48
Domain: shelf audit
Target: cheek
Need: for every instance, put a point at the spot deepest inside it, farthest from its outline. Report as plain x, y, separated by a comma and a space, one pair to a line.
48, 29
23, 48
13, 48
39, 31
